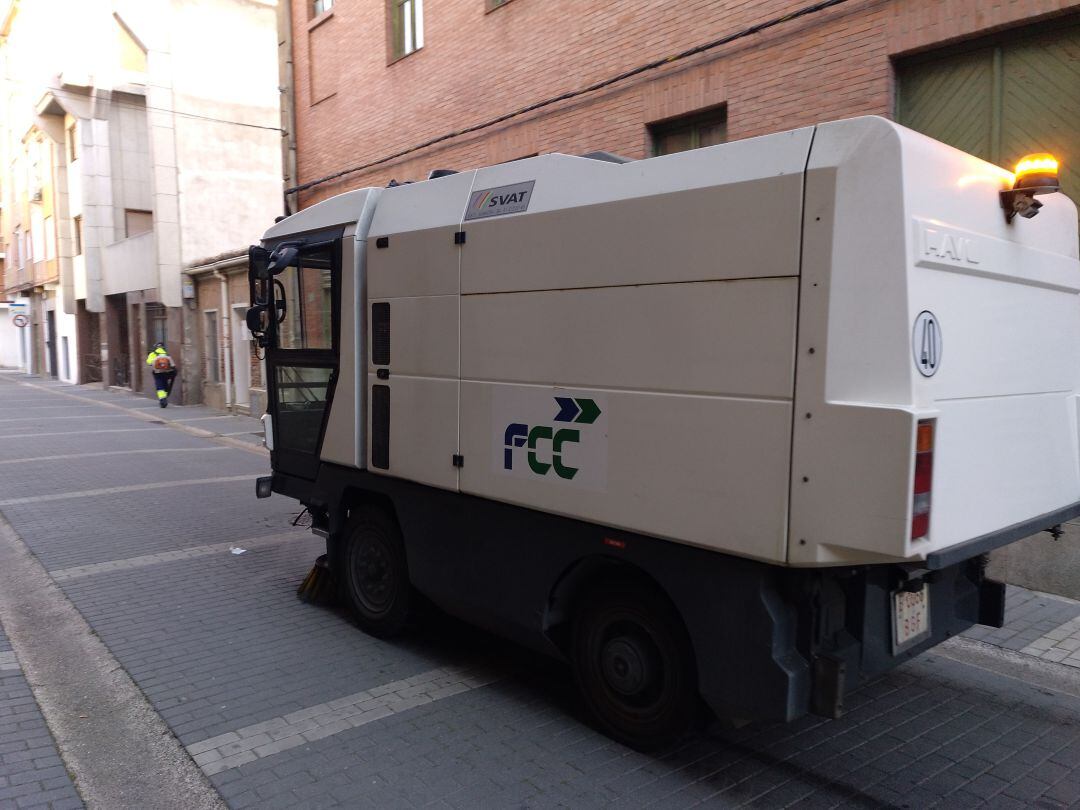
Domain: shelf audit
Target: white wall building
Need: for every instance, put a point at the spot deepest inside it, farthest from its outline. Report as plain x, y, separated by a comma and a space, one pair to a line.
14, 338
135, 137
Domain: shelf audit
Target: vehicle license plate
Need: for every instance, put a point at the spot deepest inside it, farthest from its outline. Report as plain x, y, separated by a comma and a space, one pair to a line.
911, 617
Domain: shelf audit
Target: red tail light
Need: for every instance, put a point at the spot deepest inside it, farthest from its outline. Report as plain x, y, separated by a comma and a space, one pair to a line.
924, 479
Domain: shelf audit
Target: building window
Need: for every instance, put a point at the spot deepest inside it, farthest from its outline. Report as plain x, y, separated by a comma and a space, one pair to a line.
73, 141
157, 324
78, 236
136, 222
50, 239
320, 6
324, 57
38, 157
210, 348
407, 26
689, 132
36, 249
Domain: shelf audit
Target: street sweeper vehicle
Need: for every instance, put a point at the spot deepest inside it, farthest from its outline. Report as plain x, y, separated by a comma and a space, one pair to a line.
732, 428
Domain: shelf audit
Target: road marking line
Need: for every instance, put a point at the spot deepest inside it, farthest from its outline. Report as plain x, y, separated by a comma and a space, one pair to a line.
144, 413
80, 416
113, 453
126, 564
236, 748
208, 418
7, 661
75, 433
94, 493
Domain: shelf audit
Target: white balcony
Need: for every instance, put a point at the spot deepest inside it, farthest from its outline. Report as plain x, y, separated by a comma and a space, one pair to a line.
129, 265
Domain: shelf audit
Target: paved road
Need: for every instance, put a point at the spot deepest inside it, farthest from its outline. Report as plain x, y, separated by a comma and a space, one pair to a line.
286, 705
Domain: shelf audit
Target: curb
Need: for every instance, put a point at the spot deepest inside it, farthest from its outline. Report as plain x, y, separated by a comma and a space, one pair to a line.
1032, 671
118, 749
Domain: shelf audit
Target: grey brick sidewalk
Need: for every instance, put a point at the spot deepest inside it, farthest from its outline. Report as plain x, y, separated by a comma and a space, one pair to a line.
31, 771
226, 654
1040, 625
1037, 624
1062, 645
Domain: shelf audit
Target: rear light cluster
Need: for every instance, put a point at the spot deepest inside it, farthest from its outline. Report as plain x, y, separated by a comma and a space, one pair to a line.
924, 473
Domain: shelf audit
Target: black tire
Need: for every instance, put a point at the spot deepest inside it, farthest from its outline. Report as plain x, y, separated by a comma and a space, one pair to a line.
374, 574
635, 667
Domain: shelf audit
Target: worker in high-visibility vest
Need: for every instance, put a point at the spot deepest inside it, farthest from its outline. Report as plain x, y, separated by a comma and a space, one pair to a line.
164, 372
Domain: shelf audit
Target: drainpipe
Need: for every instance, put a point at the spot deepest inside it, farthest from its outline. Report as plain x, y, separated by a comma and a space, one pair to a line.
226, 336
288, 102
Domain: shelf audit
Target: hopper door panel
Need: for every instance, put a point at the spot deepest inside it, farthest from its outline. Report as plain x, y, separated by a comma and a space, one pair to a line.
412, 373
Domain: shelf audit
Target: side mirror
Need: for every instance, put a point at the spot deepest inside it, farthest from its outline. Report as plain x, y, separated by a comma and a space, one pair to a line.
255, 318
258, 259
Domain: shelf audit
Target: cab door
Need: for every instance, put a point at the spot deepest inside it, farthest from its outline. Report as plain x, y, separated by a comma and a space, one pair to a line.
302, 358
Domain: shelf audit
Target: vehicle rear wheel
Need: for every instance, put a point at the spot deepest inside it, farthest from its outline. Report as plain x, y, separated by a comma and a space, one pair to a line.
635, 667
375, 577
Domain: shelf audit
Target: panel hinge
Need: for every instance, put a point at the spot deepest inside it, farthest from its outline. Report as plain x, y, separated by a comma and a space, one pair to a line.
459, 238
459, 461
382, 242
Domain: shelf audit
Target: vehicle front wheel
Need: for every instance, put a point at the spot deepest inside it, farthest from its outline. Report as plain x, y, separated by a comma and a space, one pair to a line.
375, 576
635, 667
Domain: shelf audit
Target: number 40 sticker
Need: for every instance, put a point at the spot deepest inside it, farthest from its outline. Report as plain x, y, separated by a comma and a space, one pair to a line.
926, 343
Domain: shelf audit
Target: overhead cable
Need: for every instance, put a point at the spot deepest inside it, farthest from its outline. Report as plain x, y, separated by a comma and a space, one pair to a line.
111, 101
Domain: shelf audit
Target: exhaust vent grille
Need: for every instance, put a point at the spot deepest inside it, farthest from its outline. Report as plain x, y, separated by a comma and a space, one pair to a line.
380, 334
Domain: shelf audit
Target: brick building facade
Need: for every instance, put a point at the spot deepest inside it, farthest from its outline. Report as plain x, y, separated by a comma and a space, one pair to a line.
360, 95
221, 364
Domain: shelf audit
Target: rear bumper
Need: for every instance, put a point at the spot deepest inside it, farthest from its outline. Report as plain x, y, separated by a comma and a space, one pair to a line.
865, 646
1002, 537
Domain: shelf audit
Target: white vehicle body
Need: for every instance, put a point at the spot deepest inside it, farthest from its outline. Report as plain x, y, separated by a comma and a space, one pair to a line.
725, 349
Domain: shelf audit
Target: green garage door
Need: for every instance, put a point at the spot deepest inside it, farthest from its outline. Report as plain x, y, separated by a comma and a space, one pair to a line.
1016, 95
